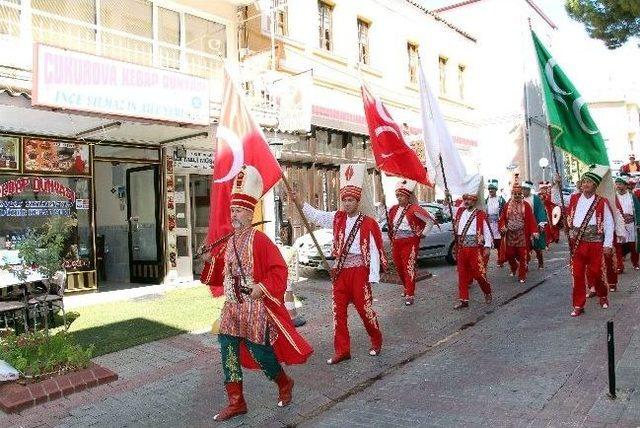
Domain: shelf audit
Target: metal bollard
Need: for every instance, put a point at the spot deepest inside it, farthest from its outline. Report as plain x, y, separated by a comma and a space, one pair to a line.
612, 362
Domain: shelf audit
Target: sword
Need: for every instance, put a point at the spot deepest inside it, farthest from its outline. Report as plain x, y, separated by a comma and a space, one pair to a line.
207, 248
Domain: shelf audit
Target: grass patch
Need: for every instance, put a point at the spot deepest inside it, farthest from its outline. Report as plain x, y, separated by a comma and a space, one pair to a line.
115, 326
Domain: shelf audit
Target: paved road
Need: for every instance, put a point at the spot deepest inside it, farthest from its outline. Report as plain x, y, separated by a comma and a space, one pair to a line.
521, 360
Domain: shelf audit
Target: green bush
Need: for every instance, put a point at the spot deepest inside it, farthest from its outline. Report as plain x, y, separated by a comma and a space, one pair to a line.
35, 354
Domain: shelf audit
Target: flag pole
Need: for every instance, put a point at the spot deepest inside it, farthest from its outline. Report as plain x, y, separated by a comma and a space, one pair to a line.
448, 196
325, 263
384, 207
564, 210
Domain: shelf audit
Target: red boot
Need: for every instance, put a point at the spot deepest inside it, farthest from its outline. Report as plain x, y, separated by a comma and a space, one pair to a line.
285, 389
237, 405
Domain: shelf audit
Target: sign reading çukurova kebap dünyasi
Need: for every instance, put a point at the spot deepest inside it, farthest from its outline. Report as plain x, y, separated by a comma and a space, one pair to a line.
78, 81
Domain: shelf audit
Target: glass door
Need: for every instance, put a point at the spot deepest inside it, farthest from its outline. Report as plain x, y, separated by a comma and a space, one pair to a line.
200, 194
145, 262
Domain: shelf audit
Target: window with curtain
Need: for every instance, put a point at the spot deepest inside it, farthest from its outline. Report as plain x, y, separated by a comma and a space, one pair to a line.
363, 42
325, 15
133, 17
169, 38
412, 54
442, 67
80, 36
461, 77
10, 18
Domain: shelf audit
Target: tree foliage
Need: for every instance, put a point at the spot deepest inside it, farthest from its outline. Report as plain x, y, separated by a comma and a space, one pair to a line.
612, 21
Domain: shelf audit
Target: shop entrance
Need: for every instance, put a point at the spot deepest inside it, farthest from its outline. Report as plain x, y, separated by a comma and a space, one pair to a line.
128, 236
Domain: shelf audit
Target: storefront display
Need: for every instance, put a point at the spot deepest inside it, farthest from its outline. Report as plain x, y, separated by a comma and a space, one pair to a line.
26, 202
9, 152
56, 157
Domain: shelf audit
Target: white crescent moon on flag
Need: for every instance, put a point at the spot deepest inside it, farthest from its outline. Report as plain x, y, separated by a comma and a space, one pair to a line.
382, 113
385, 128
237, 152
548, 71
560, 100
577, 112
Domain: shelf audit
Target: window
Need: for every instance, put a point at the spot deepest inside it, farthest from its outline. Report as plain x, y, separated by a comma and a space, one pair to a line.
325, 13
131, 17
52, 31
461, 70
168, 38
442, 64
204, 36
412, 53
363, 42
10, 18
281, 17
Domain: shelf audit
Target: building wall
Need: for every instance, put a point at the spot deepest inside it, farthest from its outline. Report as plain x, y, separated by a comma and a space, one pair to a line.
619, 123
510, 84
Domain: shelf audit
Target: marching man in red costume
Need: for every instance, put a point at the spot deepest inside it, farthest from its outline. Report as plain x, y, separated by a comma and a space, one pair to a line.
358, 250
591, 224
256, 331
552, 231
632, 167
628, 206
473, 239
518, 225
409, 221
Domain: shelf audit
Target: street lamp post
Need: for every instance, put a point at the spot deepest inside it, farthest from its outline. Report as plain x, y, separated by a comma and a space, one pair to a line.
544, 163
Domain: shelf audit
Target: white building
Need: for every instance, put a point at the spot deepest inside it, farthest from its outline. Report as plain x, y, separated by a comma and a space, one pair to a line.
513, 121
619, 123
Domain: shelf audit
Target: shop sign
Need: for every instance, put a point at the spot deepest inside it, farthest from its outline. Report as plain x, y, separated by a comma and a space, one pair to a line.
30, 208
36, 185
56, 157
294, 98
77, 81
82, 204
9, 147
196, 160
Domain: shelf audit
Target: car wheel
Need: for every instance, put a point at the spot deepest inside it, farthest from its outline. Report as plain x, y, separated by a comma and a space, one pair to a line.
451, 255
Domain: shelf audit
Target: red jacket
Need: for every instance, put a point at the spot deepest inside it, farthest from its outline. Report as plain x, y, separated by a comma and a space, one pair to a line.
481, 223
627, 167
417, 224
599, 214
368, 228
269, 270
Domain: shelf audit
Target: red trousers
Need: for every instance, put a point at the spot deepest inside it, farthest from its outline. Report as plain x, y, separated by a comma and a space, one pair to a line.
621, 250
352, 286
517, 258
405, 252
611, 271
587, 262
471, 266
498, 247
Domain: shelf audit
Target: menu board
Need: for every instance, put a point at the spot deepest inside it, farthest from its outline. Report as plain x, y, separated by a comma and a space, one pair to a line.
56, 157
9, 153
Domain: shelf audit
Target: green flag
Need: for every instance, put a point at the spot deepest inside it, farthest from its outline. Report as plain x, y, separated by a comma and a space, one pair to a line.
572, 127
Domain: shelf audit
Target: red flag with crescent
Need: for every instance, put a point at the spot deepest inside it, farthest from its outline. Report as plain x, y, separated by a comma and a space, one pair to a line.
392, 154
240, 141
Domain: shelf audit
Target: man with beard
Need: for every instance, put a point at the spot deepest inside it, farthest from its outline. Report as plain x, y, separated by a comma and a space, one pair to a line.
540, 215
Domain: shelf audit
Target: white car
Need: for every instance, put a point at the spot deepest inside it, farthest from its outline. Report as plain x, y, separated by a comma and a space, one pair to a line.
438, 243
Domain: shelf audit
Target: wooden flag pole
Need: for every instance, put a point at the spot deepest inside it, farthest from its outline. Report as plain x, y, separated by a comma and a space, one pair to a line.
448, 197
325, 263
564, 210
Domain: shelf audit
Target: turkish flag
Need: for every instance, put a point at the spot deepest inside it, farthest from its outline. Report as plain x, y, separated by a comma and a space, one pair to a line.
240, 141
393, 155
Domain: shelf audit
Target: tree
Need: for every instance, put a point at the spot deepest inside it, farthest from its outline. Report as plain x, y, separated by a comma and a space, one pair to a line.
612, 21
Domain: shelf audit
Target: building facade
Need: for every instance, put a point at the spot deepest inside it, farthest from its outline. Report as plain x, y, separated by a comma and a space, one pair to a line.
619, 123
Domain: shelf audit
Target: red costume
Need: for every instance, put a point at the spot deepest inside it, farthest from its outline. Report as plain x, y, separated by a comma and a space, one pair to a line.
591, 229
473, 238
519, 223
407, 226
552, 232
631, 167
270, 271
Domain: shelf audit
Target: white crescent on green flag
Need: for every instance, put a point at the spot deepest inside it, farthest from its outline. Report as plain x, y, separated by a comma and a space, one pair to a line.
572, 128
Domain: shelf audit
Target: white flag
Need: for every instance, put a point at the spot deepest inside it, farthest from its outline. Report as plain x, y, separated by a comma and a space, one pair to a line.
439, 145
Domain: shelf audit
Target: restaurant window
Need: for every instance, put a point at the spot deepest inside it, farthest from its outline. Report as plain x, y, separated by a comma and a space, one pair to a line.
325, 15
80, 36
10, 18
131, 17
204, 36
461, 77
27, 202
363, 42
168, 38
442, 67
412, 55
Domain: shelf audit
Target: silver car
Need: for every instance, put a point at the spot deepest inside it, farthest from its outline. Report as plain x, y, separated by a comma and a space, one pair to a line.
438, 243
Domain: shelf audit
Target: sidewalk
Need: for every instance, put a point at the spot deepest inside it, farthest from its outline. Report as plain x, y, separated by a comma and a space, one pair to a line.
178, 381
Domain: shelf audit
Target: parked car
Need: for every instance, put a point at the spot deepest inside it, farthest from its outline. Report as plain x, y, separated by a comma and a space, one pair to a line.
438, 243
